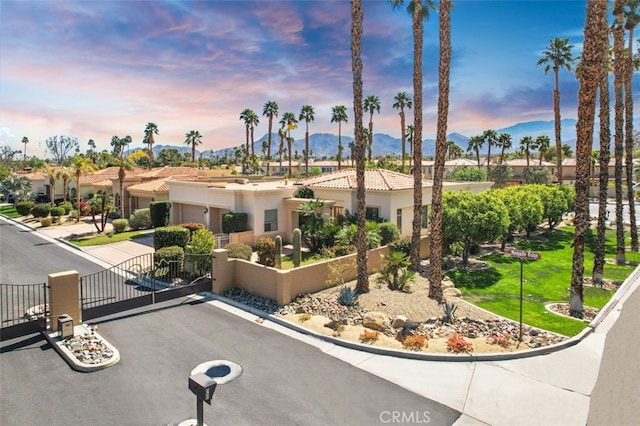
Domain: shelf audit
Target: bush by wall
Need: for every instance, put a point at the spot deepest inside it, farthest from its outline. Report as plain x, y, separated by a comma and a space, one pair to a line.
388, 232
159, 212
235, 222
239, 251
168, 262
170, 236
41, 210
403, 245
140, 219
199, 249
266, 249
57, 211
193, 226
24, 207
67, 206
119, 225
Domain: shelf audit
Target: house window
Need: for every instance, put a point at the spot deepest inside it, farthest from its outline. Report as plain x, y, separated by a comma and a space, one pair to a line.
425, 217
373, 213
399, 219
336, 213
270, 220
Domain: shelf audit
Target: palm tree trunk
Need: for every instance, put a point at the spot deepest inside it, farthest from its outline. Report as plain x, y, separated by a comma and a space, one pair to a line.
306, 152
618, 78
404, 137
362, 275
628, 127
418, 31
556, 115
592, 57
339, 144
370, 137
435, 262
604, 157
269, 143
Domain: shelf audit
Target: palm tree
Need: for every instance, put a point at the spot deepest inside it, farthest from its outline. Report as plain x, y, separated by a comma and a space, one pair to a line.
362, 275
632, 17
490, 137
444, 70
65, 175
270, 110
245, 116
193, 138
409, 135
475, 144
50, 170
150, 130
339, 115
527, 143
81, 166
306, 114
402, 101
253, 121
282, 134
453, 150
371, 104
542, 143
289, 122
556, 56
596, 29
504, 142
119, 145
25, 141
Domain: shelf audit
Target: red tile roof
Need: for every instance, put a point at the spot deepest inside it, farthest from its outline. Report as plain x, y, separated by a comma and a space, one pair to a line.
374, 180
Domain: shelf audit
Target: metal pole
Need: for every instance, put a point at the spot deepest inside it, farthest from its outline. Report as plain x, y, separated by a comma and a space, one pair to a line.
521, 279
200, 412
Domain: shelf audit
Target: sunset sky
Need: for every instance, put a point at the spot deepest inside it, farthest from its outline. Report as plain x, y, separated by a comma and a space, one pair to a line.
94, 69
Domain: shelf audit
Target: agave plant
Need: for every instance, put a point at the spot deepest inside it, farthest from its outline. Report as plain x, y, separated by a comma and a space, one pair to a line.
348, 296
449, 310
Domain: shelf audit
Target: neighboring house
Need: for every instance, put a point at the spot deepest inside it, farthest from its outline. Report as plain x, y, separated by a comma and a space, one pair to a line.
519, 164
297, 167
272, 208
569, 170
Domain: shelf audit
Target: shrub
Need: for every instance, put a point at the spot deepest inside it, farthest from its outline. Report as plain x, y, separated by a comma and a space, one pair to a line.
503, 340
84, 208
348, 296
192, 226
458, 344
266, 249
235, 222
395, 272
344, 250
239, 251
305, 192
119, 225
113, 215
170, 236
159, 212
199, 249
41, 210
67, 206
336, 326
57, 211
73, 214
388, 232
24, 207
449, 311
46, 221
168, 261
140, 219
403, 245
369, 336
414, 342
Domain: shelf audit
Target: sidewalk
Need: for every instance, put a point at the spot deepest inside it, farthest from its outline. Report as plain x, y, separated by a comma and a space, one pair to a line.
595, 380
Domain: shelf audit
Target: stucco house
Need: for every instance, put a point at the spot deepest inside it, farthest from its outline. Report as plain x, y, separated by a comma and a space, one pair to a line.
272, 207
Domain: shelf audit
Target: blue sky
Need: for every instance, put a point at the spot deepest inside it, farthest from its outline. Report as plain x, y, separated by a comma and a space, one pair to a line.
94, 69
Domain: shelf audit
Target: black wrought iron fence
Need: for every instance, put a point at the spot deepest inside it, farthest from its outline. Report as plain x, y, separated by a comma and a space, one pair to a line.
23, 309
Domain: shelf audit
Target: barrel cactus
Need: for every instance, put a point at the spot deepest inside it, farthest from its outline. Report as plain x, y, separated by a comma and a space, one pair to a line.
297, 247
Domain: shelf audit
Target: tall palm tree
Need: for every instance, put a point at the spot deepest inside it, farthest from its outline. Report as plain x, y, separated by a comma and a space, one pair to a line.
542, 143
475, 144
403, 100
289, 123
307, 114
371, 104
253, 121
245, 116
490, 137
504, 142
362, 274
81, 166
556, 56
150, 130
193, 138
632, 15
270, 110
593, 56
282, 133
339, 115
527, 144
444, 70
453, 150
618, 82
25, 141
65, 176
409, 136
119, 144
50, 170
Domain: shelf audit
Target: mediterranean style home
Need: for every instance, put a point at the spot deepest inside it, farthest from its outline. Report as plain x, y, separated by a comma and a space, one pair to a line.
272, 205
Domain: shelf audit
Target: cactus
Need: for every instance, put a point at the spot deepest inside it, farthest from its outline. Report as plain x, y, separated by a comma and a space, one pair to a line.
278, 259
297, 243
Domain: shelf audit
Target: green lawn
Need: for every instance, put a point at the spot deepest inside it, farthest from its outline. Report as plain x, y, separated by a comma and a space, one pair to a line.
497, 289
9, 211
307, 259
106, 239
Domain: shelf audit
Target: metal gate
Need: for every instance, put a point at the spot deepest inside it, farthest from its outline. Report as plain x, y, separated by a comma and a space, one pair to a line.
141, 281
23, 309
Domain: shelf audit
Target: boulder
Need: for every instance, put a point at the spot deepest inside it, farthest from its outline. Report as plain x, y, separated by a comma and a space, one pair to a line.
447, 284
451, 292
399, 321
374, 320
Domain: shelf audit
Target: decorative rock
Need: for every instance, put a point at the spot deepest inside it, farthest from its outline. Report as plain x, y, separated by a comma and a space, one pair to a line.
399, 321
451, 292
447, 284
373, 320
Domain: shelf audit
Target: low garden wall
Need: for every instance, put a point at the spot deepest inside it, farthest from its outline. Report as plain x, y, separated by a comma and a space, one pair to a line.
285, 285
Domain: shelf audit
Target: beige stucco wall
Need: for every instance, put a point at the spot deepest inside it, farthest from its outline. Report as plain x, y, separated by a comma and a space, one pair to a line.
64, 296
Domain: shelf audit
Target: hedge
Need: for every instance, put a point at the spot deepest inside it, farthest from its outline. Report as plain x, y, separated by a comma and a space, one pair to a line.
235, 222
140, 219
41, 210
24, 207
239, 251
119, 225
171, 236
168, 262
159, 212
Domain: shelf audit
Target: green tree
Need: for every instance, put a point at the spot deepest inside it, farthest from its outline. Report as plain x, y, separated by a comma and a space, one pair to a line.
339, 115
19, 186
555, 202
60, 147
193, 138
536, 175
500, 175
307, 114
468, 174
527, 143
490, 137
542, 144
371, 104
504, 142
475, 144
403, 100
555, 57
471, 219
150, 130
316, 226
525, 210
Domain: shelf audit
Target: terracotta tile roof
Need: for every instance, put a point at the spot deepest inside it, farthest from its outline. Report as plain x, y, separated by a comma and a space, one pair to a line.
166, 172
374, 180
157, 185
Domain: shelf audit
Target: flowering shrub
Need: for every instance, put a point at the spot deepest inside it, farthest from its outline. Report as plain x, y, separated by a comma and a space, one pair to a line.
414, 342
458, 344
369, 336
503, 340
84, 208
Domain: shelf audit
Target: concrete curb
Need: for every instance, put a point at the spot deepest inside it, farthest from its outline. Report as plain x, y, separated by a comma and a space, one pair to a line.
67, 355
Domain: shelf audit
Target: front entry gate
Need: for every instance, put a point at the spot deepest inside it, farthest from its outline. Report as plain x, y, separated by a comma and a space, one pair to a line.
23, 309
141, 281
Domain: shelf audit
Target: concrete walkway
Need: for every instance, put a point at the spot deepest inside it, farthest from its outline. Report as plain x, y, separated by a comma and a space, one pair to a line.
597, 380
